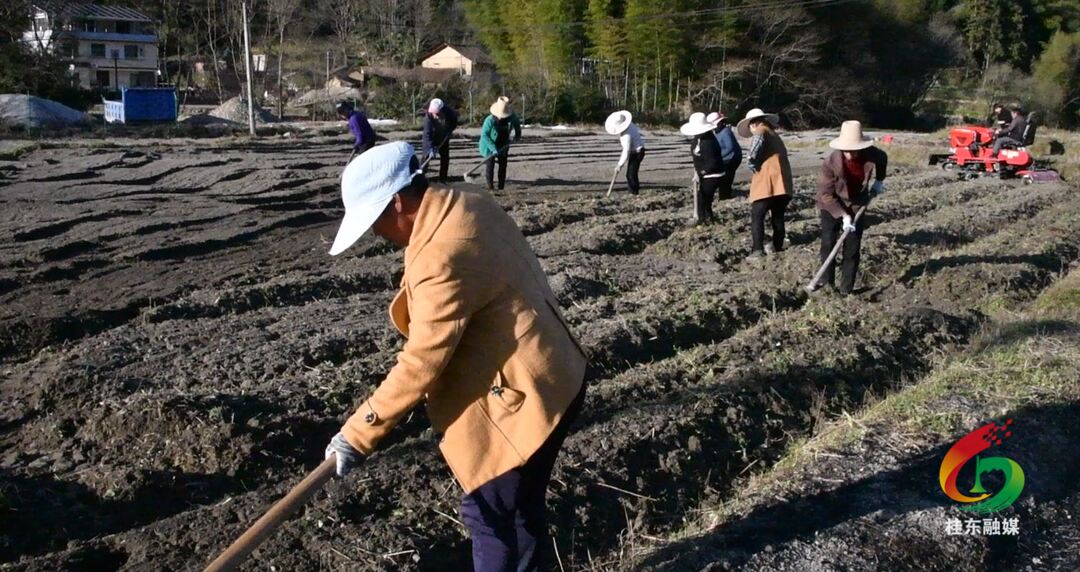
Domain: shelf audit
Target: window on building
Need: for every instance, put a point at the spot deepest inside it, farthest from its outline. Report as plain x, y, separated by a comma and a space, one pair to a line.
97, 50
88, 26
131, 52
123, 27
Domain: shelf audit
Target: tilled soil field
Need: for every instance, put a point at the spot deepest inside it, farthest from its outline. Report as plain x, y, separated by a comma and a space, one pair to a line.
177, 347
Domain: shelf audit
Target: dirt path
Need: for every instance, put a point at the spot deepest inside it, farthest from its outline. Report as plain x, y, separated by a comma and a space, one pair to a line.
177, 345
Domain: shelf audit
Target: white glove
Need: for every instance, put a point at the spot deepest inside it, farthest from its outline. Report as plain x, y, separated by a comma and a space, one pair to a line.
618, 168
878, 187
348, 458
849, 226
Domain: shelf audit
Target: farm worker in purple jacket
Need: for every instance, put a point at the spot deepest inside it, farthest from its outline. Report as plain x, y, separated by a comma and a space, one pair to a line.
358, 124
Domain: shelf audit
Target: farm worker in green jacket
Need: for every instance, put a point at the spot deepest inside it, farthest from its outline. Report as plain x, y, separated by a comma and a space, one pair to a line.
495, 139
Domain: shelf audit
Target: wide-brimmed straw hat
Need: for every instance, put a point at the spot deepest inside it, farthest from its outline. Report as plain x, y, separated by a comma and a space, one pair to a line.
756, 113
368, 184
501, 108
851, 137
618, 122
696, 125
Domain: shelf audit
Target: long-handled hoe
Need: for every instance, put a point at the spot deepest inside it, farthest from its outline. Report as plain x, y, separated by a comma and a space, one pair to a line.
468, 174
612, 185
272, 519
832, 255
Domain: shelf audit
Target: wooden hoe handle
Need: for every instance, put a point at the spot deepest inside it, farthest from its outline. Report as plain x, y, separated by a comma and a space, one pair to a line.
832, 255
279, 513
612, 185
481, 163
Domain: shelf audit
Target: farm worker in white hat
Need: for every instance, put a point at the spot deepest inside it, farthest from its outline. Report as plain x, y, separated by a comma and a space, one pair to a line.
730, 152
633, 146
440, 121
771, 185
487, 348
495, 139
850, 175
708, 164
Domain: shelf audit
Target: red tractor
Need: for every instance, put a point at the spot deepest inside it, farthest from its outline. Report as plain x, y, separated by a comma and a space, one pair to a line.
971, 154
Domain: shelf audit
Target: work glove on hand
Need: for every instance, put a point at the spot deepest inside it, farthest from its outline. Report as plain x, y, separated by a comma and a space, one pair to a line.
849, 226
878, 187
348, 458
618, 168
430, 154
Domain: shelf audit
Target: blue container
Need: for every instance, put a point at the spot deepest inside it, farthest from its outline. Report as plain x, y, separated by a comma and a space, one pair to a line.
142, 104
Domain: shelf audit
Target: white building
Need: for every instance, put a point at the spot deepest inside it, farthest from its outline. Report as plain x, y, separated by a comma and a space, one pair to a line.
107, 46
466, 60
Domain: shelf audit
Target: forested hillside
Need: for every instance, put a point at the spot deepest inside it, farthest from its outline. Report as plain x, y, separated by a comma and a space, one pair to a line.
815, 60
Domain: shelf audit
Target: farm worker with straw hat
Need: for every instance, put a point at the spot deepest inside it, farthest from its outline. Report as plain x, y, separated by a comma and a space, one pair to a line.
730, 152
439, 123
633, 146
495, 139
487, 348
850, 175
360, 127
708, 164
771, 185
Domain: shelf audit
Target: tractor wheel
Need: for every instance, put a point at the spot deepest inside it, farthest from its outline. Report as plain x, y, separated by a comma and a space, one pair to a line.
948, 165
1027, 179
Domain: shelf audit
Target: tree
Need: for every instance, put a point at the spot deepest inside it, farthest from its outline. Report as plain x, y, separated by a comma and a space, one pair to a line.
994, 32
1056, 76
281, 13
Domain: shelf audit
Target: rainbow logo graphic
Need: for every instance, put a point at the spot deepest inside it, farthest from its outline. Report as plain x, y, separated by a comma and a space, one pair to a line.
969, 448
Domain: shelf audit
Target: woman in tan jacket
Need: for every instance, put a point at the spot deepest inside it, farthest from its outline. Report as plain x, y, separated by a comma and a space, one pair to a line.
770, 187
487, 350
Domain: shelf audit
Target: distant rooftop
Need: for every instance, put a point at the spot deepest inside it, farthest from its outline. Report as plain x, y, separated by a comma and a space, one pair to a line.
99, 12
474, 53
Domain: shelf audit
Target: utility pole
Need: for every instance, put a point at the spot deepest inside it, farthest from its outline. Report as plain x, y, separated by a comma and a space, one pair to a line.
247, 65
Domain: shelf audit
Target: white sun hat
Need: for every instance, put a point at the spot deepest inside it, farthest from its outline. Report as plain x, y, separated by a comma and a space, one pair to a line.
715, 117
501, 108
618, 122
744, 126
368, 184
851, 137
435, 106
696, 125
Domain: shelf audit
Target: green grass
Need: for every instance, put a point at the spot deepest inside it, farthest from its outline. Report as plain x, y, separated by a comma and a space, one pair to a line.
15, 151
1027, 358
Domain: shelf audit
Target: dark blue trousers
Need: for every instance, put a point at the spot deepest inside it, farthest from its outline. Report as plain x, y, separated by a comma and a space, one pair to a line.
506, 515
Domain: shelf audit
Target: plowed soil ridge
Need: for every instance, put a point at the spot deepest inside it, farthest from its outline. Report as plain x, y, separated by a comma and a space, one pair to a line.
173, 361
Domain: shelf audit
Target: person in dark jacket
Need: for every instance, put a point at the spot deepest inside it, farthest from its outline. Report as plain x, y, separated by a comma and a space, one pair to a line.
1000, 118
495, 139
771, 185
730, 152
1013, 135
708, 165
850, 175
439, 123
358, 124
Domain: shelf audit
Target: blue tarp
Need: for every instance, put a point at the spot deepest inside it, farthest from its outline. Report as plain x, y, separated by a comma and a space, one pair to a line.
140, 104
